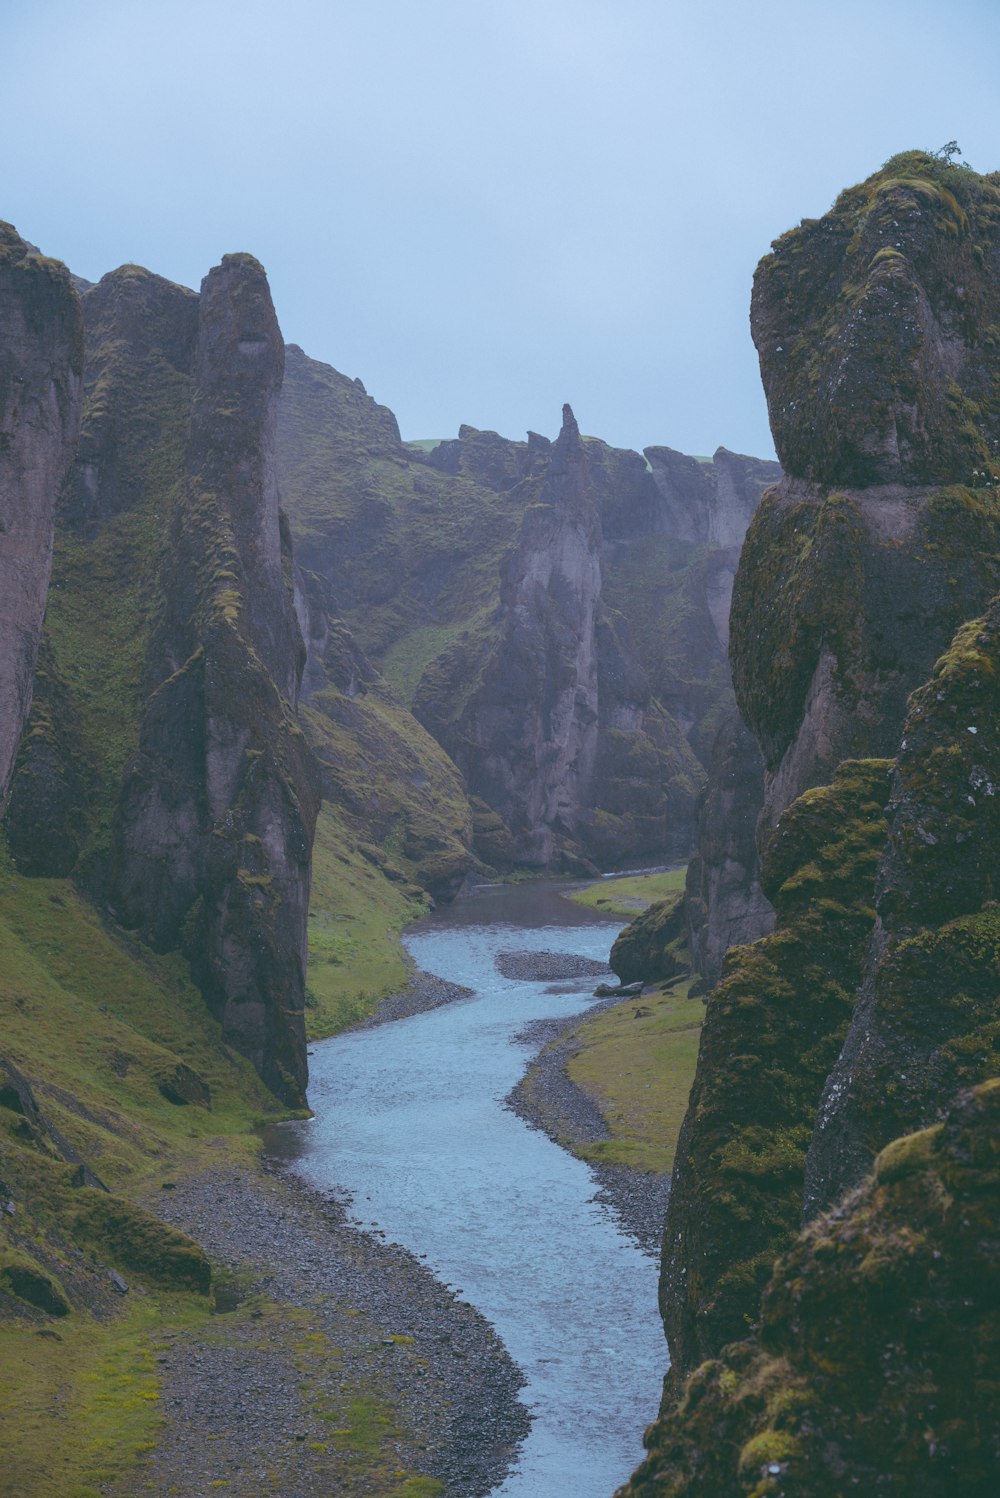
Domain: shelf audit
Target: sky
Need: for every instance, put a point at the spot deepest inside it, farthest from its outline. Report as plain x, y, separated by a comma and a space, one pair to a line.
485, 208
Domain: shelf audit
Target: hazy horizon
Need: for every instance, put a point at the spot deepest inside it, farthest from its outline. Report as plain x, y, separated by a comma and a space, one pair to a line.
485, 211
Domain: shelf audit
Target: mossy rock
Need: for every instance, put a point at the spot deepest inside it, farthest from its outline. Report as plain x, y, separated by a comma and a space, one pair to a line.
136, 1240
848, 313
773, 1029
653, 947
23, 1278
874, 1368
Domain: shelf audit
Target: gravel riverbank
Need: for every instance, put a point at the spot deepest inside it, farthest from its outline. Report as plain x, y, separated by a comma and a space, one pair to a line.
341, 1365
422, 992
547, 1099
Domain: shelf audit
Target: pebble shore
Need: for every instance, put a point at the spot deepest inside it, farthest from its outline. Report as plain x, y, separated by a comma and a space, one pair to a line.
318, 1315
548, 1100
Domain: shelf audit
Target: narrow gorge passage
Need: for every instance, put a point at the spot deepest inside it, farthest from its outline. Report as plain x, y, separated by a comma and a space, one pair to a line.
409, 1118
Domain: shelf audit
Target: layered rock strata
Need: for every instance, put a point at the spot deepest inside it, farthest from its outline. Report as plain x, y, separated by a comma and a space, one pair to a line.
41, 364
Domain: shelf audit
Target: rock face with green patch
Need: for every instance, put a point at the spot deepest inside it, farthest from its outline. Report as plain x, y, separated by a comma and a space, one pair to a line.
878, 329
874, 1367
773, 1029
927, 1022
218, 808
41, 363
879, 341
724, 904
652, 948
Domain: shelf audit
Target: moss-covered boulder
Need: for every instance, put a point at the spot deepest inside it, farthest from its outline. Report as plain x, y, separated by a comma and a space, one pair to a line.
653, 947
878, 329
773, 1028
875, 1366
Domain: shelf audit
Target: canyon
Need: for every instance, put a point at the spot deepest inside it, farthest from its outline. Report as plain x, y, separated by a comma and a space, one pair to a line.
273, 682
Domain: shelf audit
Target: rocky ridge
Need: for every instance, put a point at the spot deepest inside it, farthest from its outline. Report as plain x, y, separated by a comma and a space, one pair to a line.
40, 395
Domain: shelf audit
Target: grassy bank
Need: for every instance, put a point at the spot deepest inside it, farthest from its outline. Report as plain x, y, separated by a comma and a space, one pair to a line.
630, 894
637, 1062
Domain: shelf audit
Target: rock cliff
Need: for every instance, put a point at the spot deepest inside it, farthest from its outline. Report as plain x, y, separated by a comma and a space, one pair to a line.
41, 364
926, 1023
859, 572
415, 543
874, 329
218, 808
874, 1366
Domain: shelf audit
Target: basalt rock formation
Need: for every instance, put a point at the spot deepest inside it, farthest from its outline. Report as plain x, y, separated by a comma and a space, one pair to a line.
773, 1029
875, 329
218, 809
926, 1023
874, 1366
163, 764
419, 547
724, 904
41, 361
872, 1004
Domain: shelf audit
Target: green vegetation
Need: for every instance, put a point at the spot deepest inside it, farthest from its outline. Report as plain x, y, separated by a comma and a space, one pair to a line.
629, 894
773, 1029
83, 1408
637, 1062
877, 1341
356, 916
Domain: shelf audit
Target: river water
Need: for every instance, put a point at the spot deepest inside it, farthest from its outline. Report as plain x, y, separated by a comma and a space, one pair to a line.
409, 1119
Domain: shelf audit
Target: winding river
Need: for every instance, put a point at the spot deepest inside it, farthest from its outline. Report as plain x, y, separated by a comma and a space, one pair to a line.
409, 1119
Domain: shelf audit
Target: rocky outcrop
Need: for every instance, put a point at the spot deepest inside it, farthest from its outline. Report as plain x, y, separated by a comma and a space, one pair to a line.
926, 1023
881, 539
874, 1366
41, 363
857, 571
724, 904
413, 543
526, 735
875, 327
218, 808
652, 948
773, 1028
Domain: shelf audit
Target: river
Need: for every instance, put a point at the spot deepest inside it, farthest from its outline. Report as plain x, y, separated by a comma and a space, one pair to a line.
409, 1119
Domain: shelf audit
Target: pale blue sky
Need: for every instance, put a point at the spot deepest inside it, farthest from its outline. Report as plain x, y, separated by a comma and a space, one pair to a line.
486, 207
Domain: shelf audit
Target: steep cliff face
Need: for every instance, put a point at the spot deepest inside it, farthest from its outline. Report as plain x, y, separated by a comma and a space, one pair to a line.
926, 1024
218, 806
724, 903
41, 364
415, 544
773, 1029
114, 517
857, 571
526, 735
874, 1366
874, 329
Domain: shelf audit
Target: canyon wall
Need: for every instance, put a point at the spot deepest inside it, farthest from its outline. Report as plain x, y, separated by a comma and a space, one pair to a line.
41, 366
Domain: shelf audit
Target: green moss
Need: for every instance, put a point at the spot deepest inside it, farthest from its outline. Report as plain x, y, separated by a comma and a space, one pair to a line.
877, 1342
773, 1029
